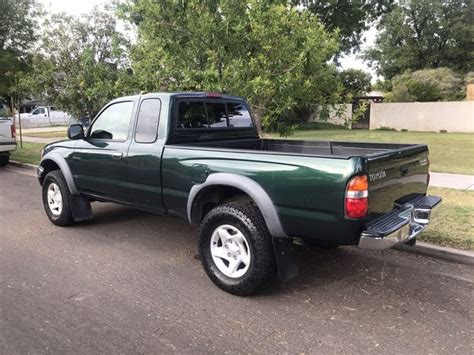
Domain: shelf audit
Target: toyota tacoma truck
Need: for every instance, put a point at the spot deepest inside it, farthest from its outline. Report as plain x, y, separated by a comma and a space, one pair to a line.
7, 140
198, 156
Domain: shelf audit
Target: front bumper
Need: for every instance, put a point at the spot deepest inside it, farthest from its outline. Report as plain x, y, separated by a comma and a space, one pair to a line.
400, 225
40, 173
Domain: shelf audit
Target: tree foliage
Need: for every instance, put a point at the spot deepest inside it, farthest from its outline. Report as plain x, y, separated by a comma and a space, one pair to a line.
355, 82
350, 18
425, 34
274, 55
80, 62
17, 36
427, 85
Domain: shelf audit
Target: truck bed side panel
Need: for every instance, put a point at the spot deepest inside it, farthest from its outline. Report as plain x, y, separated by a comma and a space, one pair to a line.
308, 192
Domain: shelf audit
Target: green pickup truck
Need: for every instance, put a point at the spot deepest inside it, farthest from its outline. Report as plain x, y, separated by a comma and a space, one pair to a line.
199, 156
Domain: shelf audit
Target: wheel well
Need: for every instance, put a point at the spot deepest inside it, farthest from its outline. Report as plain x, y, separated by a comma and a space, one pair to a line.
213, 196
48, 166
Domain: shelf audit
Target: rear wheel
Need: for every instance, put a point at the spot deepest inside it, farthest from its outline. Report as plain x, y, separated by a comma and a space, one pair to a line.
4, 159
57, 199
235, 248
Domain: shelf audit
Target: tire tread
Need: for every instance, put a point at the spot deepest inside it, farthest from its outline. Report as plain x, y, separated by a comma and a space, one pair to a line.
263, 270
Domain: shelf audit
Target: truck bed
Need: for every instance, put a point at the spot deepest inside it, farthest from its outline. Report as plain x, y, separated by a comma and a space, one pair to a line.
316, 148
394, 170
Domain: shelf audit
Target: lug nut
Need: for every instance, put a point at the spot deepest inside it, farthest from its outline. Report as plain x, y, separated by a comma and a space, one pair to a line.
228, 254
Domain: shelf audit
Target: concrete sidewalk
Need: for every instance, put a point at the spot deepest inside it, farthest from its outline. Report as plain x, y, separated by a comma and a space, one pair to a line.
452, 181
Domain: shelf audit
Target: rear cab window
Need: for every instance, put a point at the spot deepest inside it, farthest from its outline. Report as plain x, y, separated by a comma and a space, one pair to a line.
200, 114
199, 119
239, 115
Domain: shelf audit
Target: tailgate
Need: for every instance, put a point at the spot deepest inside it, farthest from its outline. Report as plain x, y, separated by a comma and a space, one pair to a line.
395, 175
6, 132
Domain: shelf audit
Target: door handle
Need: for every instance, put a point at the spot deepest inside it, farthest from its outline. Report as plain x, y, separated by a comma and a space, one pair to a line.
117, 155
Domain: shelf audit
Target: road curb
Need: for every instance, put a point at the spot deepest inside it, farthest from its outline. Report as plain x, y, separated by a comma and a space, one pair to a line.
22, 165
435, 251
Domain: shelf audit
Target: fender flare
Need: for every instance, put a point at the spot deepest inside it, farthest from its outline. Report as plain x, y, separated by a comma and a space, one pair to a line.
251, 188
65, 170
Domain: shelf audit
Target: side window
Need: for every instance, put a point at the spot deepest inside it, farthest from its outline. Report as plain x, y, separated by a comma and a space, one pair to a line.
147, 122
239, 115
191, 114
216, 114
113, 122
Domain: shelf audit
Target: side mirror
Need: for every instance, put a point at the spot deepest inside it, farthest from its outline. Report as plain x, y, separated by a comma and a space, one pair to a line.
75, 131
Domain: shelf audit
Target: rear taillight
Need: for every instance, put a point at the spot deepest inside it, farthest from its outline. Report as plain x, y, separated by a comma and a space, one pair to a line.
357, 193
13, 130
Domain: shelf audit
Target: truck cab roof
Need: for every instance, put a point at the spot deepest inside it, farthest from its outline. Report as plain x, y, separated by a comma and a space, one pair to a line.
179, 94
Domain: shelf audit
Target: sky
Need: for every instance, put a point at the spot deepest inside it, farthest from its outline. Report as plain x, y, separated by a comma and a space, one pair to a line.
76, 7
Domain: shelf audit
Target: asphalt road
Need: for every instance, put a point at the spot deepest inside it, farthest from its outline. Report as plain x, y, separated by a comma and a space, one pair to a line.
128, 282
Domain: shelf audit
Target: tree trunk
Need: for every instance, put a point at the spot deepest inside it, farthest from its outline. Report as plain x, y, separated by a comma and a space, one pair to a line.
19, 123
257, 115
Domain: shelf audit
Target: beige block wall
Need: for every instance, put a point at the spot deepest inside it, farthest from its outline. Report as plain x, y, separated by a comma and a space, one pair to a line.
470, 92
337, 115
424, 116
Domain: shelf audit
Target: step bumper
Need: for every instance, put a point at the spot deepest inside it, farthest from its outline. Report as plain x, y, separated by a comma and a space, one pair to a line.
402, 224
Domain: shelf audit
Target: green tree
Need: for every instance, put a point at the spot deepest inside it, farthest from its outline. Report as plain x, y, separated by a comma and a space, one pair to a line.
355, 82
427, 85
274, 55
81, 62
17, 36
349, 18
425, 34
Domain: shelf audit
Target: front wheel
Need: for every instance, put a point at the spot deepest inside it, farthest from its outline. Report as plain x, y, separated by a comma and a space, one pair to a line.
57, 199
236, 248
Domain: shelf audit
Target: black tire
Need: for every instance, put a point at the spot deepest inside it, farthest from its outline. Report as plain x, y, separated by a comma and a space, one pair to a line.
65, 216
4, 159
249, 221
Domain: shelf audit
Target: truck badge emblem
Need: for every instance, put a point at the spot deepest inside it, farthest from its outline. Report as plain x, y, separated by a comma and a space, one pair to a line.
377, 176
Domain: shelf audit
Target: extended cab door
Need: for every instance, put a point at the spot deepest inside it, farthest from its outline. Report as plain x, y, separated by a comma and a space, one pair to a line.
144, 158
99, 163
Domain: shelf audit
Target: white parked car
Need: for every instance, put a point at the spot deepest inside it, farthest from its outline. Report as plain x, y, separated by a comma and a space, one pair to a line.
7, 140
46, 113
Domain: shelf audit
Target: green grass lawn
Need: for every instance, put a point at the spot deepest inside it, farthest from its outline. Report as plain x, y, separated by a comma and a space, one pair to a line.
449, 152
30, 153
52, 134
454, 224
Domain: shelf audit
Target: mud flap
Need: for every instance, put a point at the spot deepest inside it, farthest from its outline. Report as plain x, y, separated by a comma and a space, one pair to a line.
81, 208
285, 258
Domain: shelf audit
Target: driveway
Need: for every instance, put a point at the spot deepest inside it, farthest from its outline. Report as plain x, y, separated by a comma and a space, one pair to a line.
129, 282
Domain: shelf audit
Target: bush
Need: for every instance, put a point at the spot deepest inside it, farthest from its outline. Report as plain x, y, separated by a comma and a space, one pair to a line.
427, 85
383, 128
469, 78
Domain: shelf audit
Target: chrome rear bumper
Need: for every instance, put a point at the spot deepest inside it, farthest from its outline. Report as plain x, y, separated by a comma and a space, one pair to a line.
400, 225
